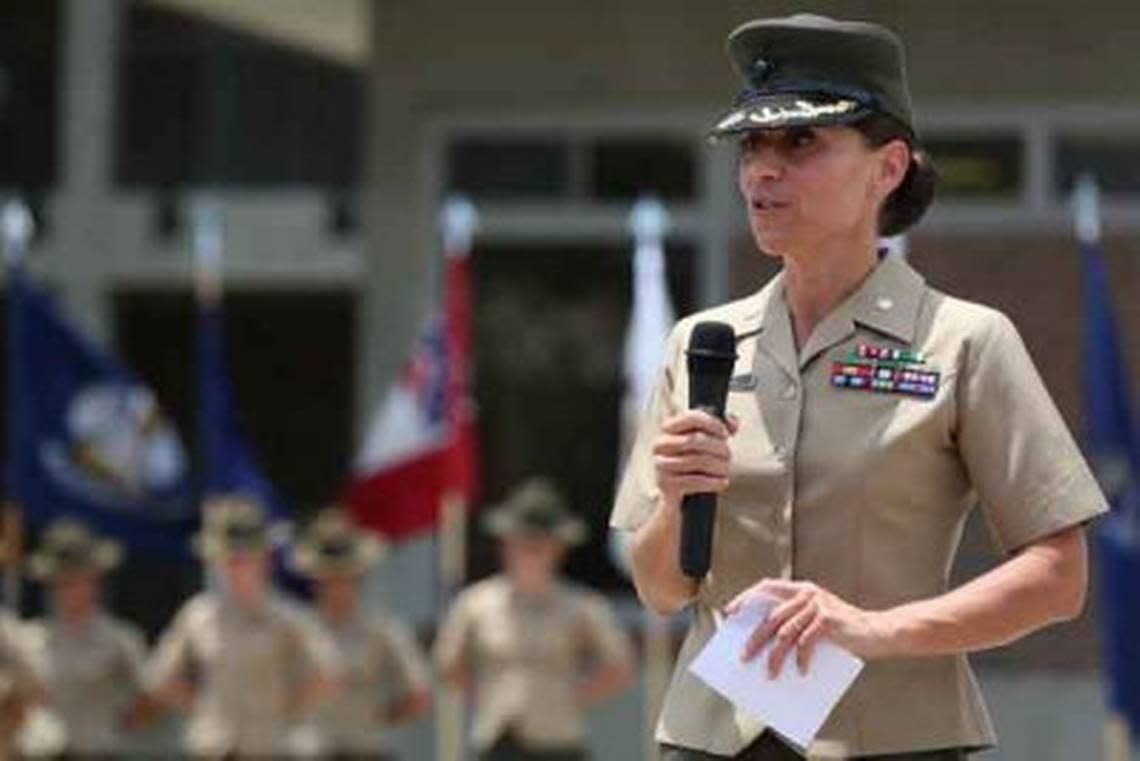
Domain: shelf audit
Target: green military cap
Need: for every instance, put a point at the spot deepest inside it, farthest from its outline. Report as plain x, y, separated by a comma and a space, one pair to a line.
231, 525
807, 69
69, 547
535, 508
333, 546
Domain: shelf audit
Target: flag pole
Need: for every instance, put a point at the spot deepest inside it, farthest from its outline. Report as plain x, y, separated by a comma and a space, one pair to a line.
650, 321
16, 230
1087, 222
458, 223
207, 250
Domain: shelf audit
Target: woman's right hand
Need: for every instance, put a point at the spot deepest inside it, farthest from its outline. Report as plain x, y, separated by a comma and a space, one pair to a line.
691, 455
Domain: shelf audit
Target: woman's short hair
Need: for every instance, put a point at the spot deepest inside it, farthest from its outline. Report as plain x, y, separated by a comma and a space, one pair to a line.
905, 206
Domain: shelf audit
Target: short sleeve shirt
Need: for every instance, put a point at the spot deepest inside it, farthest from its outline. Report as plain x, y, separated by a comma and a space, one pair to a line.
90, 675
381, 662
18, 678
246, 667
863, 486
526, 657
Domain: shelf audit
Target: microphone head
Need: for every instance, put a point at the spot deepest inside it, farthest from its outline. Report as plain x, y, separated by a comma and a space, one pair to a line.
710, 358
715, 341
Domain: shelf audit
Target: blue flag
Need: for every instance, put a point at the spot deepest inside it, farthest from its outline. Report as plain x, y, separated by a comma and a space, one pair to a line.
1112, 444
87, 439
229, 466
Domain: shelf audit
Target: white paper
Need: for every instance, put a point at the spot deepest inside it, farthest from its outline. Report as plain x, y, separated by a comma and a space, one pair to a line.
793, 704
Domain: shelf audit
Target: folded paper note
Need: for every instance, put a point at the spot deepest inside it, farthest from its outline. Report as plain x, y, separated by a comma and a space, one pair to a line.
793, 704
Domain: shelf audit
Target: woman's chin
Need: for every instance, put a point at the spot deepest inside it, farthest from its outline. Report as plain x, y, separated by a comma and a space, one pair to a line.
770, 242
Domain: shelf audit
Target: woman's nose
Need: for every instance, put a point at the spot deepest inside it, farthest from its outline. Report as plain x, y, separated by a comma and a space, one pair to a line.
762, 163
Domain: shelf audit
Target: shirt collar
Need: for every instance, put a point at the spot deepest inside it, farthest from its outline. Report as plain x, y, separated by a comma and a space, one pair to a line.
888, 301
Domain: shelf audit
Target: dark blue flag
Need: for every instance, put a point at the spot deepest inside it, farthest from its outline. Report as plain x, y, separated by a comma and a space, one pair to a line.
1112, 445
229, 466
87, 439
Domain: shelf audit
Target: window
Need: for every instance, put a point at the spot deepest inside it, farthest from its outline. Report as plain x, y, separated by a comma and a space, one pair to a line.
550, 325
518, 168
553, 167
29, 42
204, 105
624, 168
287, 350
982, 166
1113, 160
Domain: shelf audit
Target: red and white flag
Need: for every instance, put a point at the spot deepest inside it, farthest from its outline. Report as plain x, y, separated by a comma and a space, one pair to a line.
421, 445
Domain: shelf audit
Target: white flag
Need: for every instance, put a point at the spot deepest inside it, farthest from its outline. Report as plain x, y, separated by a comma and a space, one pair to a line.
651, 319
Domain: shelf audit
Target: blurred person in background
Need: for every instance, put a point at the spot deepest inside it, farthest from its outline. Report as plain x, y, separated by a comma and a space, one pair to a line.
535, 650
867, 414
21, 692
244, 663
385, 678
89, 662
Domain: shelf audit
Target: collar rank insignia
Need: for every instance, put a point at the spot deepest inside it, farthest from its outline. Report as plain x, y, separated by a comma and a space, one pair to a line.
886, 371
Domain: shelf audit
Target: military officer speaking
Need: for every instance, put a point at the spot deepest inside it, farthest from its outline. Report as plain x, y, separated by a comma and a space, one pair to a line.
868, 413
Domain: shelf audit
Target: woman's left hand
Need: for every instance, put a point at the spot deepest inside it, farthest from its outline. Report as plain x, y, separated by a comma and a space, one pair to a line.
803, 614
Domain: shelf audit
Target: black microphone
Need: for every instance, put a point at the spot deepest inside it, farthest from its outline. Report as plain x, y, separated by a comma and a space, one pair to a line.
710, 357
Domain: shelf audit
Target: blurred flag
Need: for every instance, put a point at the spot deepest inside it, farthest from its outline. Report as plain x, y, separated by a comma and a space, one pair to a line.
87, 438
650, 321
651, 314
421, 445
228, 463
1112, 443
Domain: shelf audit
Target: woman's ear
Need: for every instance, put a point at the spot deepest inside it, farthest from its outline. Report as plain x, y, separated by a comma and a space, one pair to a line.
895, 161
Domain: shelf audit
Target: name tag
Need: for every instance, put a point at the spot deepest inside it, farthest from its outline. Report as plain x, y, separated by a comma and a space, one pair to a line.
746, 382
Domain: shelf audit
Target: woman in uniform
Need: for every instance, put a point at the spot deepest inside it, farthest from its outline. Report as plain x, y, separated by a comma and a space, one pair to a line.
245, 664
535, 650
90, 663
867, 414
385, 675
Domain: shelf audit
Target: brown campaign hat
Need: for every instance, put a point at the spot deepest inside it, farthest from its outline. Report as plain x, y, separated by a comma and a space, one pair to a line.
69, 547
535, 508
333, 546
233, 525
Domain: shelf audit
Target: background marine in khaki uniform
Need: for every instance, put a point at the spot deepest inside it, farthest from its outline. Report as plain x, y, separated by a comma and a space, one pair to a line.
535, 651
20, 688
244, 663
385, 678
90, 663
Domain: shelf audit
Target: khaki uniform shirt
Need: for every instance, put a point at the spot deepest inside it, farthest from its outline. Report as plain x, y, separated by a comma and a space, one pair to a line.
91, 676
865, 492
381, 663
245, 666
18, 681
527, 656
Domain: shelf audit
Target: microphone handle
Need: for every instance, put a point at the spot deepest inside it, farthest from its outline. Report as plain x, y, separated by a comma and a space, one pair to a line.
698, 513
698, 516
